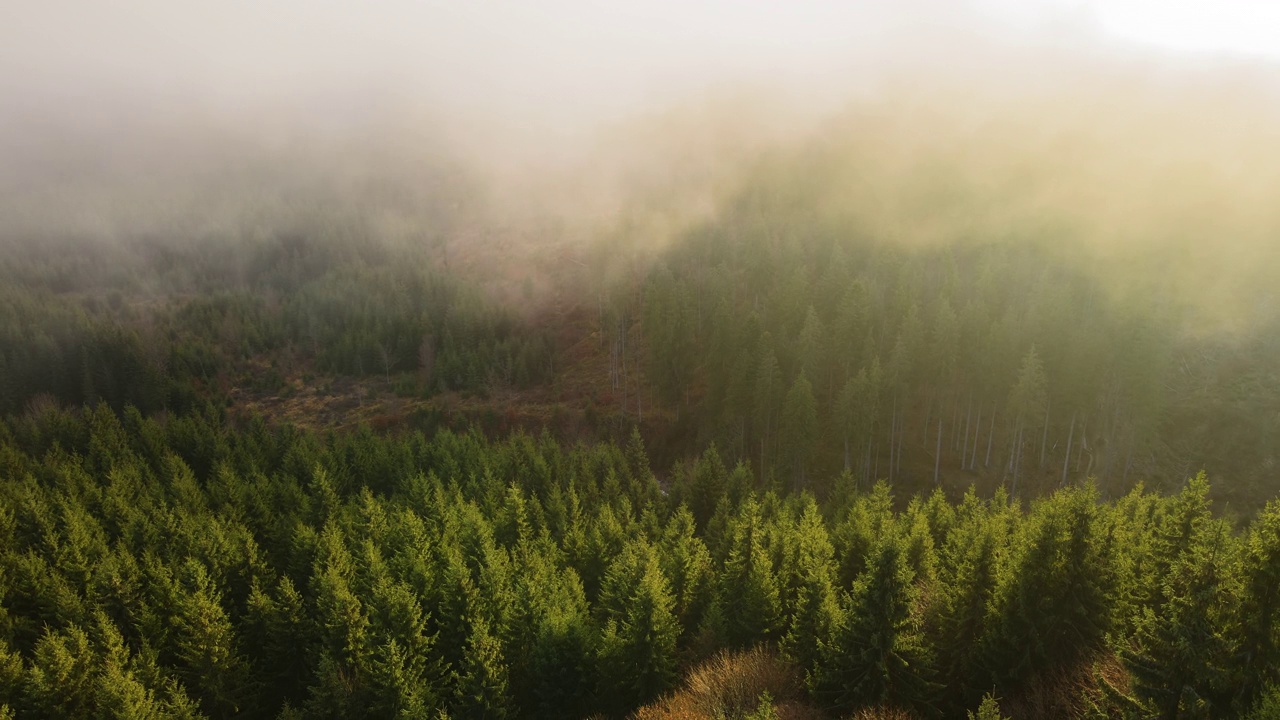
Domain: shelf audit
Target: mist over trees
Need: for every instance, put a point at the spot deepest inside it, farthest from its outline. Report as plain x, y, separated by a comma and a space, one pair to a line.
438, 378
170, 553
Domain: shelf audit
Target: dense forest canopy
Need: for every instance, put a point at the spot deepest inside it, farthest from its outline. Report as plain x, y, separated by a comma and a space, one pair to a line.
944, 384
186, 568
894, 479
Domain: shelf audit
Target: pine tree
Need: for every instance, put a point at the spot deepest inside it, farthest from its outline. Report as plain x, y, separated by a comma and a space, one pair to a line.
686, 563
707, 484
643, 487
1180, 655
765, 710
622, 578
1267, 707
591, 545
120, 693
1258, 646
810, 346
637, 653
404, 668
747, 605
60, 680
1051, 605
799, 428
877, 656
1181, 526
847, 407
482, 677
1028, 402
768, 381
341, 688
214, 668
282, 643
968, 584
11, 676
868, 517
988, 710
562, 666
812, 603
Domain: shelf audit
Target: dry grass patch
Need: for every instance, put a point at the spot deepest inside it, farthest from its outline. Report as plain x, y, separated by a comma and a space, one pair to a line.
730, 686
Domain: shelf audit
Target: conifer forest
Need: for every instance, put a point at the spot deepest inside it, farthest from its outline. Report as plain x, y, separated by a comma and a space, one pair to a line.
960, 399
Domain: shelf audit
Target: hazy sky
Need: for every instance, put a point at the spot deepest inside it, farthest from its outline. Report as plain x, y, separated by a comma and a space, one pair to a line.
558, 56
1239, 27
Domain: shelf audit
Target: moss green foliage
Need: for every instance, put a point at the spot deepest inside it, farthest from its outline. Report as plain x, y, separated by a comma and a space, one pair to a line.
807, 347
444, 574
988, 710
179, 319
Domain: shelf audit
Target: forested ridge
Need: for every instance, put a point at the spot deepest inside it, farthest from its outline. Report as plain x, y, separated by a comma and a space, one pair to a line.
798, 340
172, 325
791, 342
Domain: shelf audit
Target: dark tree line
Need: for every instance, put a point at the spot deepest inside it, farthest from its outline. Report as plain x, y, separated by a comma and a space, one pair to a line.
798, 345
169, 325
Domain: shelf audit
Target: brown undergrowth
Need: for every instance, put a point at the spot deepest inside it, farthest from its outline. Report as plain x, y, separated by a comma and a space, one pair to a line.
731, 686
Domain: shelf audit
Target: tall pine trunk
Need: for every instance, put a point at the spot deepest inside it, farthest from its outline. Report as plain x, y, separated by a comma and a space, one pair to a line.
1017, 462
1084, 440
764, 439
902, 430
955, 426
893, 429
866, 463
928, 415
1044, 439
991, 434
977, 429
1066, 457
1013, 451
937, 459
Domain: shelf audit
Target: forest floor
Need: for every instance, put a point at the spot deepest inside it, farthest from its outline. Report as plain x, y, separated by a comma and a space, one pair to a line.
580, 402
